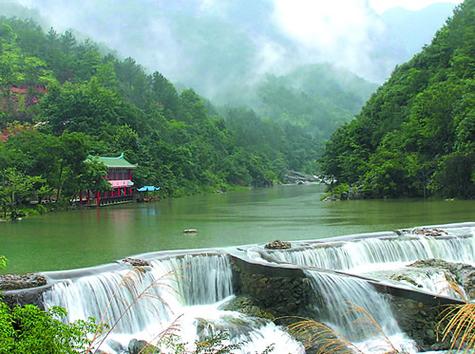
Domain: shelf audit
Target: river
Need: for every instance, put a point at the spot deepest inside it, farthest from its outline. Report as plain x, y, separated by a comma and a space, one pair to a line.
88, 237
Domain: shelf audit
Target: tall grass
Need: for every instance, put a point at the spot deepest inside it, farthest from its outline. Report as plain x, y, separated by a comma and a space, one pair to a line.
458, 325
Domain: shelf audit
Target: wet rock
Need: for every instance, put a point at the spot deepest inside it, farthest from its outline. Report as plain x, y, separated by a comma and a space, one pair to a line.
433, 232
278, 245
190, 231
248, 307
296, 177
23, 281
135, 262
404, 278
234, 326
462, 274
419, 321
115, 346
141, 346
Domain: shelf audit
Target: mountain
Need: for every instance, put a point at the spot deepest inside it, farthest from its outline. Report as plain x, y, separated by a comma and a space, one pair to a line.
416, 135
221, 47
317, 97
63, 99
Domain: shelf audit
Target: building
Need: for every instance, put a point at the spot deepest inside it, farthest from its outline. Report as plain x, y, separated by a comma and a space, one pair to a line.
119, 175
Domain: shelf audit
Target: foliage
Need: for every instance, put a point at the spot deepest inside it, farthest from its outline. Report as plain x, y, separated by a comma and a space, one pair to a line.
315, 334
318, 98
96, 104
416, 135
16, 187
29, 329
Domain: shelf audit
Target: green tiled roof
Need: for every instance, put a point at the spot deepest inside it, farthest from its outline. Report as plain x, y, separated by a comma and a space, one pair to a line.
116, 162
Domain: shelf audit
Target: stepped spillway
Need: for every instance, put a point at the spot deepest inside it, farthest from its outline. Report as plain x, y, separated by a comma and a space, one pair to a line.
141, 303
356, 311
191, 289
359, 254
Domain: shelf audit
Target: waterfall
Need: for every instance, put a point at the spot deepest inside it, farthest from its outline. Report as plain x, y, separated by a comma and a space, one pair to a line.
360, 254
144, 297
142, 303
356, 311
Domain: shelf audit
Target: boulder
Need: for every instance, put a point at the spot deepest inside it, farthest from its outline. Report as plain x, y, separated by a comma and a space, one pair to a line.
429, 232
135, 262
141, 346
278, 245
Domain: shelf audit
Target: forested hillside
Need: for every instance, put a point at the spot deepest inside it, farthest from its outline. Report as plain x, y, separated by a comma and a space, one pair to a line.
416, 134
318, 97
63, 99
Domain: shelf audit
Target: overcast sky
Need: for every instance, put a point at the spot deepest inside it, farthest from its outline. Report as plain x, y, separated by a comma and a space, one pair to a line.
205, 43
382, 5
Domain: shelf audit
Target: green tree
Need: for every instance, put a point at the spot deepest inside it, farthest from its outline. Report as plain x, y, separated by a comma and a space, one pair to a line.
15, 188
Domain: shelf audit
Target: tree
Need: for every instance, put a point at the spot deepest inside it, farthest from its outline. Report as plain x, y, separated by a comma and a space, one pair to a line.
15, 187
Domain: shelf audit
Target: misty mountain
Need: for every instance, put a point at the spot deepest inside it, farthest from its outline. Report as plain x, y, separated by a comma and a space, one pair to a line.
222, 48
318, 97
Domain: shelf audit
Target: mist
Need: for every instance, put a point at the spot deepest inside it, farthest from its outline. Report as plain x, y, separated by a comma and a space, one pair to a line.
222, 47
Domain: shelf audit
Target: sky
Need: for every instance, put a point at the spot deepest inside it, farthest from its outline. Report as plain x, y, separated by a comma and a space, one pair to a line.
210, 44
382, 5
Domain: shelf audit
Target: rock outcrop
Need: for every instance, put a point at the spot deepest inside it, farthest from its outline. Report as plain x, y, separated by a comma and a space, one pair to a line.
278, 245
22, 281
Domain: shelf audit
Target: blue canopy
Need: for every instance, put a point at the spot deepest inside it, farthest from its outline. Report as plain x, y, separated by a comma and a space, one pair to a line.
148, 189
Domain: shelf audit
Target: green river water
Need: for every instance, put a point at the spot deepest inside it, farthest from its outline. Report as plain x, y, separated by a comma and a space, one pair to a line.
93, 236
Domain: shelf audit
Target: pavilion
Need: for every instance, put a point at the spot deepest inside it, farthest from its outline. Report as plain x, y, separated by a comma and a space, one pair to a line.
119, 175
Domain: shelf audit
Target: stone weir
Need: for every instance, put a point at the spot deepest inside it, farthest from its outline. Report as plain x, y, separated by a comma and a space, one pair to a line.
312, 279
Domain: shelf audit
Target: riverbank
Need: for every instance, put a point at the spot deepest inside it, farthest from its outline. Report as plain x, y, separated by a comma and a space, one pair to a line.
86, 237
344, 191
30, 210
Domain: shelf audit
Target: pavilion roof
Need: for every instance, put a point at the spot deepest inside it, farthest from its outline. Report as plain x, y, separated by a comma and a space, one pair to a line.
116, 162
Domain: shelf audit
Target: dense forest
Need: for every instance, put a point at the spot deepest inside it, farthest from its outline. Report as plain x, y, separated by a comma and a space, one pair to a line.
64, 99
318, 97
416, 135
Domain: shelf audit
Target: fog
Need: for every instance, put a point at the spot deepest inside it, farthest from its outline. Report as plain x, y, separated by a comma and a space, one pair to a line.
215, 46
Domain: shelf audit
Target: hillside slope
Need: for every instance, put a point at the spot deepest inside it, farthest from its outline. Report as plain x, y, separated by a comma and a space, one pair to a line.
416, 135
63, 99
318, 97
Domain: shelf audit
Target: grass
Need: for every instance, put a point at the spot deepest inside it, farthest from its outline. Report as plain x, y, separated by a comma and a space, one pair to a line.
458, 325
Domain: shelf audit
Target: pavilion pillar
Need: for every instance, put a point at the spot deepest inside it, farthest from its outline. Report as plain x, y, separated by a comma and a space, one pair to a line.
80, 197
98, 198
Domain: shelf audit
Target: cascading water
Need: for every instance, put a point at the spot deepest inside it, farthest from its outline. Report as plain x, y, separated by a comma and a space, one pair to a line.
141, 298
143, 303
193, 288
354, 309
358, 255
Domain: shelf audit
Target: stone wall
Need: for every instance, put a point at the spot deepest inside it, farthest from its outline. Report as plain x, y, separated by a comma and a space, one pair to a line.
276, 290
420, 322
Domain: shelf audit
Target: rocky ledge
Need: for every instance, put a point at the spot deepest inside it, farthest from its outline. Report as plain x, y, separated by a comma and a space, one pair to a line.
463, 274
24, 281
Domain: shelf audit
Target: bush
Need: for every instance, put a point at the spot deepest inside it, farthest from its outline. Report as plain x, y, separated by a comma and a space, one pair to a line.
29, 329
